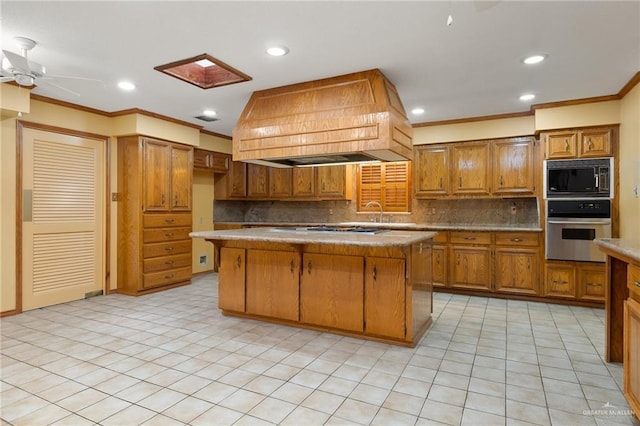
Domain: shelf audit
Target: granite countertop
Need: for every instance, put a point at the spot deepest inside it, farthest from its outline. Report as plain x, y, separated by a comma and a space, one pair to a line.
399, 238
406, 226
628, 248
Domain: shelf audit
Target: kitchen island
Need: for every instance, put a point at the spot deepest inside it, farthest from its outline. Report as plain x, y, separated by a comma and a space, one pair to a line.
368, 283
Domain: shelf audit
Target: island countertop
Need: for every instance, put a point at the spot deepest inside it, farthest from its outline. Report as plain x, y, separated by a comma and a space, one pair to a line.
624, 247
390, 238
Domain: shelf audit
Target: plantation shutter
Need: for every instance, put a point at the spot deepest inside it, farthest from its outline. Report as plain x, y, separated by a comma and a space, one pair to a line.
387, 183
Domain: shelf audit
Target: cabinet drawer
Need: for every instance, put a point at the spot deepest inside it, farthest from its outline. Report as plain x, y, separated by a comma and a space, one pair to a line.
157, 279
529, 239
441, 237
470, 237
633, 281
154, 235
165, 249
164, 220
157, 264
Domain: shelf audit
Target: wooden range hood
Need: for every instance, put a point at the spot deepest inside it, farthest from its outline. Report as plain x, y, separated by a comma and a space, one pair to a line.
350, 118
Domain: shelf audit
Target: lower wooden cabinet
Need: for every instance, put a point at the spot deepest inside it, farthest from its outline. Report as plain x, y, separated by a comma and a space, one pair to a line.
631, 362
439, 266
329, 285
272, 283
231, 290
471, 267
583, 281
516, 270
384, 297
560, 280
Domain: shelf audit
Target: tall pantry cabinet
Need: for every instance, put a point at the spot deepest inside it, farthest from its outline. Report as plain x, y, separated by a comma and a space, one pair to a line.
154, 214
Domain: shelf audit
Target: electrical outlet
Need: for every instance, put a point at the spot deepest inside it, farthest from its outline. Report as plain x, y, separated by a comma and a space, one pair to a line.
114, 196
513, 209
330, 211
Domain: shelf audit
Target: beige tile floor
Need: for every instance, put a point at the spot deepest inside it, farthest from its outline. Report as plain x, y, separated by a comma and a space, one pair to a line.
171, 358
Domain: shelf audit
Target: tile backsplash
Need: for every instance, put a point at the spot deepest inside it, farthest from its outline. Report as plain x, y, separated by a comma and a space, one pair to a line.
512, 212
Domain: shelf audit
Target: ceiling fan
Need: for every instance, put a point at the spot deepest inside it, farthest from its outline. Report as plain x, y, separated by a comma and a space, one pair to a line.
27, 73
18, 67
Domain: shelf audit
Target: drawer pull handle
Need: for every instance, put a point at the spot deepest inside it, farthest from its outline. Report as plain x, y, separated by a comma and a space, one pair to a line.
238, 262
169, 262
566, 144
169, 234
169, 220
516, 240
440, 183
375, 273
309, 267
637, 283
594, 284
170, 276
470, 238
291, 266
168, 248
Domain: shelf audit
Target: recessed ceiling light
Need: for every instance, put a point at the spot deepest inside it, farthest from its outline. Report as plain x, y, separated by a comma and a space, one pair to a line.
204, 63
209, 113
534, 59
527, 97
278, 50
126, 85
417, 111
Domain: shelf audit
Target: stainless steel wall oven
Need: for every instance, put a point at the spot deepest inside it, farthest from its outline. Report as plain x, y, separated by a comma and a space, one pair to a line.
572, 225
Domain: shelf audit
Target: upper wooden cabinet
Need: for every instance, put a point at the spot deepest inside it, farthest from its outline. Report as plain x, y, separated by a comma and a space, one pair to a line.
303, 183
257, 181
216, 162
579, 143
471, 169
167, 176
431, 170
334, 182
280, 185
513, 170
476, 169
233, 184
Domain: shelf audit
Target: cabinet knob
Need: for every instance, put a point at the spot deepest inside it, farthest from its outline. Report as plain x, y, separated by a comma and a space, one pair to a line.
169, 262
470, 238
637, 283
516, 240
460, 182
291, 266
440, 183
168, 248
566, 144
594, 284
589, 144
169, 220
309, 267
375, 273
169, 234
168, 277
501, 181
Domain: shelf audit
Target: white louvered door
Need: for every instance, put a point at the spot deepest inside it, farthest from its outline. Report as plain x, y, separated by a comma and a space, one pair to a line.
63, 218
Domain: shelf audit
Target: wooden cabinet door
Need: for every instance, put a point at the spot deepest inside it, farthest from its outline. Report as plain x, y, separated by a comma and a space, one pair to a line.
279, 182
237, 180
231, 279
181, 177
431, 176
332, 290
595, 143
513, 171
516, 270
591, 282
257, 181
331, 182
156, 175
273, 283
471, 168
385, 297
631, 358
561, 145
471, 267
560, 280
219, 162
439, 266
304, 182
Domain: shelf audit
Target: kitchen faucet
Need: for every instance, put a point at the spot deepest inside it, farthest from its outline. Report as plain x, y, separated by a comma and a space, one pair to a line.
375, 203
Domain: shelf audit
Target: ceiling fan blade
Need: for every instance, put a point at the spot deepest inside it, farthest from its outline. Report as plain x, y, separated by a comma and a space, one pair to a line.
482, 5
61, 88
71, 77
5, 79
18, 63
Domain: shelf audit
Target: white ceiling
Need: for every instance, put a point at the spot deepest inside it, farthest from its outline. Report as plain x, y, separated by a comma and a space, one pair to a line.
472, 68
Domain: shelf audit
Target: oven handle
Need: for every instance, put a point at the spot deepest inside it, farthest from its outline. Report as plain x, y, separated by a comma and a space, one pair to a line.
595, 222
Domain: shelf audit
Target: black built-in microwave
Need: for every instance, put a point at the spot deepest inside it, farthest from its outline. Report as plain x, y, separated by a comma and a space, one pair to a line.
582, 178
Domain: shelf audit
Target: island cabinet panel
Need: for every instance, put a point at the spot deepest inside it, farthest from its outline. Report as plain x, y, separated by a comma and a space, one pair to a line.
385, 297
631, 361
272, 284
331, 291
231, 279
471, 168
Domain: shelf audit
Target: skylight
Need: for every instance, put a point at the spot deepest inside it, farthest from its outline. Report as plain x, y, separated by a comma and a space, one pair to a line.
203, 71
